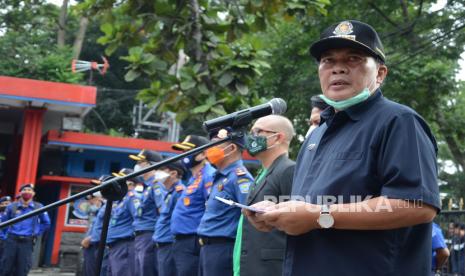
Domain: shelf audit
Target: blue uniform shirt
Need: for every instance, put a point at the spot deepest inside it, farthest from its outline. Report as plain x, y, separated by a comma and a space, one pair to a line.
191, 206
437, 242
97, 224
29, 227
3, 232
147, 212
162, 227
375, 148
121, 219
220, 220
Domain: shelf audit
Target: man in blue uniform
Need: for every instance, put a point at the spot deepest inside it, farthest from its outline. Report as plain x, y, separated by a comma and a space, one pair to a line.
4, 202
19, 244
191, 207
144, 159
95, 220
366, 177
120, 239
439, 249
163, 237
218, 226
145, 212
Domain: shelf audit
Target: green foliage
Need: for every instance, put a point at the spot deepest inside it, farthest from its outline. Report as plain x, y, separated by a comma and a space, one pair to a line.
200, 55
28, 46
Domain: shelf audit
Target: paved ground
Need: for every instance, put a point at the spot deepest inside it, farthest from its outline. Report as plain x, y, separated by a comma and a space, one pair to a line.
49, 272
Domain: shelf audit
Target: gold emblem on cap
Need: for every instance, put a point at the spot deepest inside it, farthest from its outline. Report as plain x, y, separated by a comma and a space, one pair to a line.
344, 28
222, 133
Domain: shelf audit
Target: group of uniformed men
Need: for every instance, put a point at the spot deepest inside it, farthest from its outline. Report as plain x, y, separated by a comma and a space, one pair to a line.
166, 227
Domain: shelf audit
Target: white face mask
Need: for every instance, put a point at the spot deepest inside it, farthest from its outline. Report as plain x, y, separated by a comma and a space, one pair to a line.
137, 167
139, 188
161, 176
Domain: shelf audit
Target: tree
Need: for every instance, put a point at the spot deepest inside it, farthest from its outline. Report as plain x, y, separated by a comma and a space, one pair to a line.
200, 55
28, 46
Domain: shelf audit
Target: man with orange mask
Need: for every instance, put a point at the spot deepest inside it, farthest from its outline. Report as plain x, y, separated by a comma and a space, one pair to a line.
217, 229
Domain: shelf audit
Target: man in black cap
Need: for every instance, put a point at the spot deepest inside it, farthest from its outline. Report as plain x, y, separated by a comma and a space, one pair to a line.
21, 236
366, 178
171, 176
218, 226
147, 214
191, 206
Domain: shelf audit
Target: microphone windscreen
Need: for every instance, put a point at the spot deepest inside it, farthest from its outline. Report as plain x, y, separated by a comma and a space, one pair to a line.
278, 106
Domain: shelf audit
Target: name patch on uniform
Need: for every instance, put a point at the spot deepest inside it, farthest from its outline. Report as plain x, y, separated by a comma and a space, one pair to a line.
244, 187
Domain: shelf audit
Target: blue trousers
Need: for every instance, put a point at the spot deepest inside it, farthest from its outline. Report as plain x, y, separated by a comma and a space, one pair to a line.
121, 258
90, 260
165, 261
216, 259
145, 253
17, 255
186, 253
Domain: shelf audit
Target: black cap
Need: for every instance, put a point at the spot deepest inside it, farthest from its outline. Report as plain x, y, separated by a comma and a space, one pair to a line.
147, 155
223, 133
28, 185
5, 198
190, 142
349, 34
318, 102
177, 166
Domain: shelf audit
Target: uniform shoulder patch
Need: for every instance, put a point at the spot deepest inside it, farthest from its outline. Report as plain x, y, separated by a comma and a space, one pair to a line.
242, 180
240, 171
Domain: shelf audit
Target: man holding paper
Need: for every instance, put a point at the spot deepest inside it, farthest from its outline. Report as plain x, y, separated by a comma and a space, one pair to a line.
218, 225
255, 252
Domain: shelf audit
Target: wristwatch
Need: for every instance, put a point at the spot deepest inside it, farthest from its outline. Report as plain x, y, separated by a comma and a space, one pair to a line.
325, 220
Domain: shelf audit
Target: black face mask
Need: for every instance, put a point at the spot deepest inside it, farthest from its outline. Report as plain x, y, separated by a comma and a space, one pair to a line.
2, 208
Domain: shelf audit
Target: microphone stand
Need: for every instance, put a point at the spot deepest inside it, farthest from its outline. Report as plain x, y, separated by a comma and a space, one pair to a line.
115, 189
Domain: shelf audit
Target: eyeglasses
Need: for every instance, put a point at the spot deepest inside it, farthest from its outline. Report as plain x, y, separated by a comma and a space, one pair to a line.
257, 131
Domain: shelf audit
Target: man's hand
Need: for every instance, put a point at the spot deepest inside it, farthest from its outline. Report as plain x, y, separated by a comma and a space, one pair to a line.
85, 243
292, 217
258, 223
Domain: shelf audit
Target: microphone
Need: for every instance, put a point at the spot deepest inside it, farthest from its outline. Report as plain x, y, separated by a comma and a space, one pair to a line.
243, 117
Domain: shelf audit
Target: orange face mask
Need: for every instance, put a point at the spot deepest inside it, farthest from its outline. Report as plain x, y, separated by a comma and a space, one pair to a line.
215, 155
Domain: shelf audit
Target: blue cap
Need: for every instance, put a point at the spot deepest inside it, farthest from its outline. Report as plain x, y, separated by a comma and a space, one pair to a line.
27, 185
5, 198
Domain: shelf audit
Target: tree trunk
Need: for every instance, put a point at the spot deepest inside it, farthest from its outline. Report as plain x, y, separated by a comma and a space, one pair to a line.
197, 30
81, 34
61, 36
457, 154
